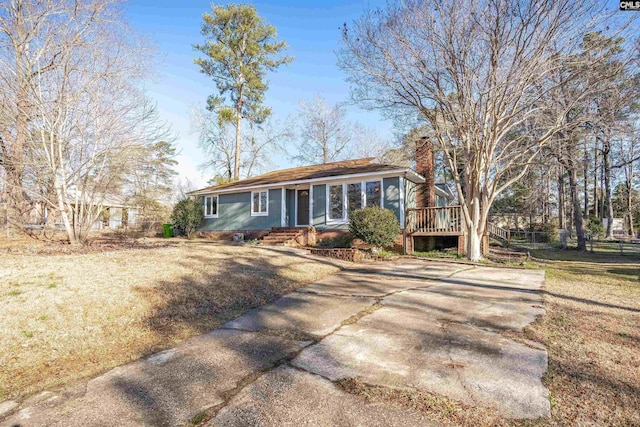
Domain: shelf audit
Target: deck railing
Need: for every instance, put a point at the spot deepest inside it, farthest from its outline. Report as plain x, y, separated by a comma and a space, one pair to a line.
437, 220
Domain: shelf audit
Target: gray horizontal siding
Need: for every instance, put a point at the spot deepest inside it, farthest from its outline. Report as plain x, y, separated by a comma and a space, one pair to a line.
234, 213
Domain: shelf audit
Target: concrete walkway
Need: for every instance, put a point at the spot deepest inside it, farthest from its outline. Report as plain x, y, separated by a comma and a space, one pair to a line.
429, 326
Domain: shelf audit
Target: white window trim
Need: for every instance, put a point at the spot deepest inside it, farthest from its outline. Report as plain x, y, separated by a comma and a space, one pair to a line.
217, 206
266, 213
363, 198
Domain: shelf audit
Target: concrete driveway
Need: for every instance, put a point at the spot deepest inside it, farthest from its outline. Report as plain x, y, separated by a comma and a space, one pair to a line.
442, 328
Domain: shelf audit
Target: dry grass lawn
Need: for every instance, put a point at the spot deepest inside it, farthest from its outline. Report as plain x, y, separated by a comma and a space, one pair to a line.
592, 332
72, 316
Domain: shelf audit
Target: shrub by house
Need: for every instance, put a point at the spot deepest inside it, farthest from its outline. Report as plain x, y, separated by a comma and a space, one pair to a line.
376, 226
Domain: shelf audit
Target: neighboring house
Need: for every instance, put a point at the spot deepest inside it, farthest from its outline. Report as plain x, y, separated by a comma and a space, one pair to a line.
116, 212
321, 196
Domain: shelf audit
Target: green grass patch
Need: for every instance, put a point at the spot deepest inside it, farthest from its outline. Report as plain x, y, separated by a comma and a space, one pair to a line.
14, 293
197, 419
356, 317
437, 255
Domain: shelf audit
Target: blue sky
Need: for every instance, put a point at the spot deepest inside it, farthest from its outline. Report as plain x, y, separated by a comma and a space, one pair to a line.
311, 28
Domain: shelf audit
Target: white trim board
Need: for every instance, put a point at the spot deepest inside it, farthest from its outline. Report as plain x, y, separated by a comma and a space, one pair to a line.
311, 205
283, 208
402, 208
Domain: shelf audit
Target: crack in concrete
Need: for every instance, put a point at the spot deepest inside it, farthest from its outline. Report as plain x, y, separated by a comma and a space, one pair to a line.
388, 294
454, 365
250, 379
227, 396
459, 271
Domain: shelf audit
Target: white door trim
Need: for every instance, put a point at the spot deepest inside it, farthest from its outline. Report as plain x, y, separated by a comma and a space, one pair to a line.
283, 208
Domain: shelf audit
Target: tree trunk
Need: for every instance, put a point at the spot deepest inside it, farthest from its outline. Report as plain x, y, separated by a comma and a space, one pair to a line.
595, 179
577, 214
586, 179
236, 163
14, 163
629, 188
62, 208
546, 216
15, 196
561, 200
474, 240
602, 195
606, 164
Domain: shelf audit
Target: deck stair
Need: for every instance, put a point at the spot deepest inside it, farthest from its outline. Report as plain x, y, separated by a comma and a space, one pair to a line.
283, 236
498, 233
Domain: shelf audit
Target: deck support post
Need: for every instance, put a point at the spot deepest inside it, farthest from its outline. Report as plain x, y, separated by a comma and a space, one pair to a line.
462, 248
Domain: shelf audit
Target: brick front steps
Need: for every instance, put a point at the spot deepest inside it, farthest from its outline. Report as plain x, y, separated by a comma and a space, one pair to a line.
290, 236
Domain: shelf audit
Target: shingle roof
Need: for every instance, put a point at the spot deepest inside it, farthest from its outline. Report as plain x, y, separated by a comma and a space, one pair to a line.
327, 170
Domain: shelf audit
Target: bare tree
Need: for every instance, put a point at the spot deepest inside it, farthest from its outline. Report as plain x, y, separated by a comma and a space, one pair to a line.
28, 49
150, 183
217, 142
616, 97
367, 142
86, 116
324, 133
262, 142
473, 72
629, 149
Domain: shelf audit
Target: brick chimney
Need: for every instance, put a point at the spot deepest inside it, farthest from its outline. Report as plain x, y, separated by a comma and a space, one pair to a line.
425, 166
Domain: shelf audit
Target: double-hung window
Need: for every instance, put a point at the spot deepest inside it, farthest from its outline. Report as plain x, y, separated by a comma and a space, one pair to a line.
260, 203
211, 206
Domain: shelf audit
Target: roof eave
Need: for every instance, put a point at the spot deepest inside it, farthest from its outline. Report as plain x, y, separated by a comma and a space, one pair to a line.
410, 174
414, 176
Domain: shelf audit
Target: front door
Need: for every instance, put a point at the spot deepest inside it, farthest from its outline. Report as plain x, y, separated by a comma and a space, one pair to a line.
302, 203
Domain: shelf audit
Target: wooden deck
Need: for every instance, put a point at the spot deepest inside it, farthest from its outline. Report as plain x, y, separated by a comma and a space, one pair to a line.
436, 221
